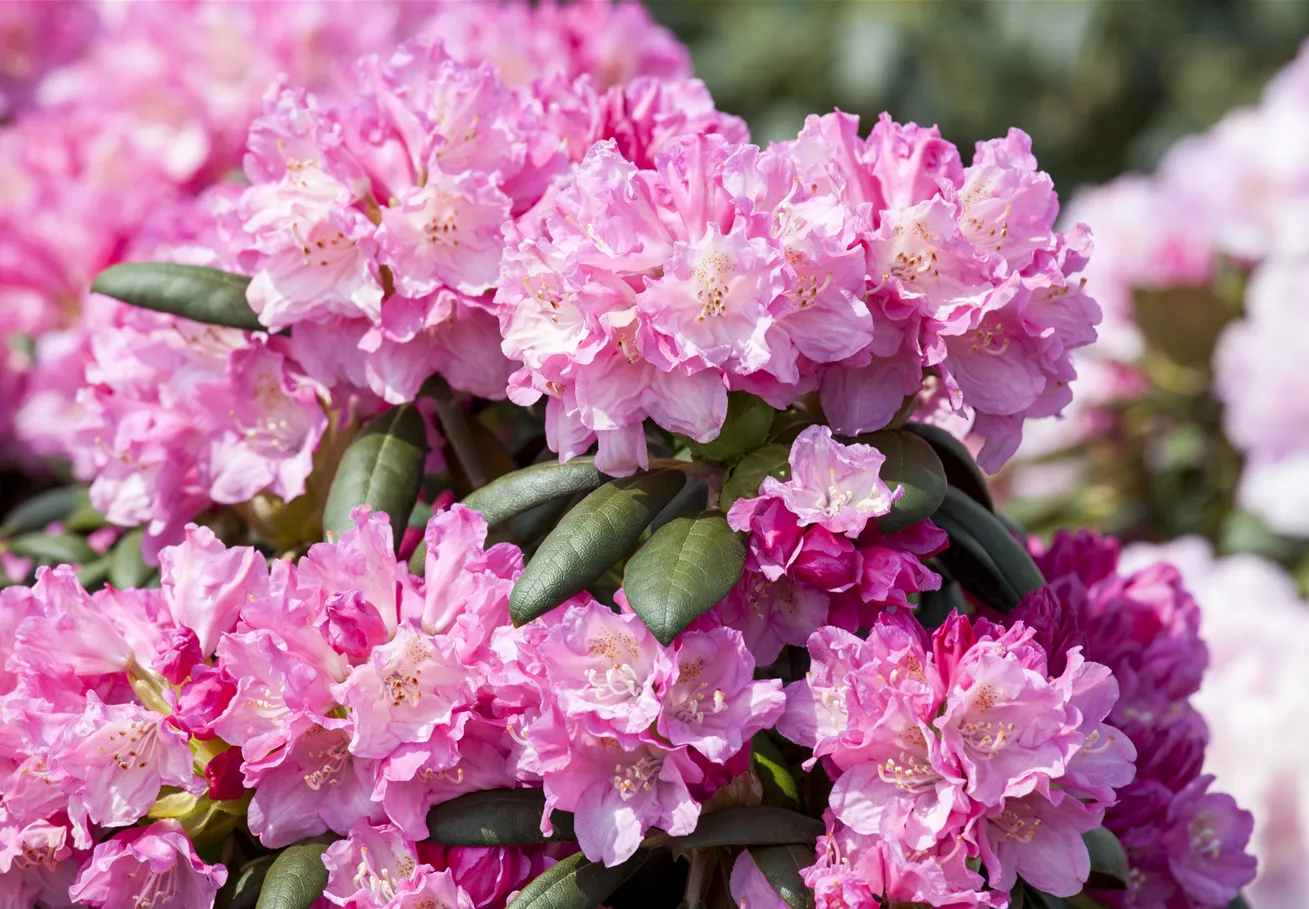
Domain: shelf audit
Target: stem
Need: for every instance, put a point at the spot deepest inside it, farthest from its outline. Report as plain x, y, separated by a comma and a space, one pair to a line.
702, 864
454, 424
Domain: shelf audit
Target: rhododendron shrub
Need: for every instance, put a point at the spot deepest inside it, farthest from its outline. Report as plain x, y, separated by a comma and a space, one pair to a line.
519, 491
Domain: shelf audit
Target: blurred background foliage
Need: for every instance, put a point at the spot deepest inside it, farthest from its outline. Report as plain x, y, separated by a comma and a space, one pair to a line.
1103, 86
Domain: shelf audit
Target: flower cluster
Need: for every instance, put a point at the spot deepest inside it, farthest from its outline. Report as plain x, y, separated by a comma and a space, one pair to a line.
1255, 678
1222, 204
852, 266
815, 555
969, 745
1186, 844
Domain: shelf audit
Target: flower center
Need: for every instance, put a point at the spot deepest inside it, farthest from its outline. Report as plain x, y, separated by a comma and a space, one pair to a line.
329, 770
619, 680
692, 709
134, 745
158, 889
634, 778
1203, 839
712, 274
1016, 827
908, 774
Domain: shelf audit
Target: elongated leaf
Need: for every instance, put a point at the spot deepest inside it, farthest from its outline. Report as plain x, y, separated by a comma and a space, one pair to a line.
1109, 867
84, 519
517, 492
686, 567
64, 548
295, 879
1238, 903
961, 469
744, 479
383, 468
935, 606
913, 465
1018, 896
127, 568
989, 563
242, 888
195, 292
773, 773
750, 825
497, 817
576, 883
92, 575
781, 868
40, 510
590, 538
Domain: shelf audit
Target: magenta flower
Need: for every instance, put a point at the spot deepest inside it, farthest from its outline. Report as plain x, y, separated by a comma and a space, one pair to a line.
152, 866
1205, 840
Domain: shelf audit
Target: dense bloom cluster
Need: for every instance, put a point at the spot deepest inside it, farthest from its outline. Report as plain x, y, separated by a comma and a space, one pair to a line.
1256, 678
1186, 845
974, 743
853, 266
815, 555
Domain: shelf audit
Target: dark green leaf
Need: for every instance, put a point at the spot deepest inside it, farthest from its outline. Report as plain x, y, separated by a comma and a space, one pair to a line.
517, 492
774, 775
935, 606
127, 568
1018, 896
64, 548
576, 883
751, 825
85, 519
744, 429
295, 879
195, 292
743, 480
1109, 867
496, 817
1238, 903
686, 567
242, 889
781, 868
961, 469
44, 508
590, 538
383, 468
912, 465
989, 563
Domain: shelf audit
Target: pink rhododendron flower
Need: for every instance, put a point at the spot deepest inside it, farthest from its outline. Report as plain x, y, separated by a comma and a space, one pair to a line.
148, 866
368, 867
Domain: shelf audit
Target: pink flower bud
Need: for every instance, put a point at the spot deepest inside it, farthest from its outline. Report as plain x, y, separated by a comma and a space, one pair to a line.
353, 625
223, 773
178, 654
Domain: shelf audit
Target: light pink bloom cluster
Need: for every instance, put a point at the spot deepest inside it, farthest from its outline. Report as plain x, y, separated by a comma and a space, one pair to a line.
815, 557
1224, 197
1186, 845
1255, 680
647, 289
373, 226
967, 745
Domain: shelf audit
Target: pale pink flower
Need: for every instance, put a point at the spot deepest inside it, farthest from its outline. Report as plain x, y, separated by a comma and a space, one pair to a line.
148, 866
367, 868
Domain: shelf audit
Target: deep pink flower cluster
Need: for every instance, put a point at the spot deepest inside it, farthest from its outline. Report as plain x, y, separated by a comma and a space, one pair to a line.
1187, 845
970, 745
344, 692
853, 266
815, 557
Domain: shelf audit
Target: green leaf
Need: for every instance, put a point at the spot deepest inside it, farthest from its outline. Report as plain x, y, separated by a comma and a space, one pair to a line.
58, 549
1238, 903
1018, 895
194, 292
576, 883
686, 567
912, 465
781, 868
743, 480
744, 429
774, 775
383, 468
126, 567
590, 538
497, 817
92, 575
295, 879
961, 469
935, 606
44, 508
751, 825
84, 519
989, 563
242, 889
522, 490
1109, 867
